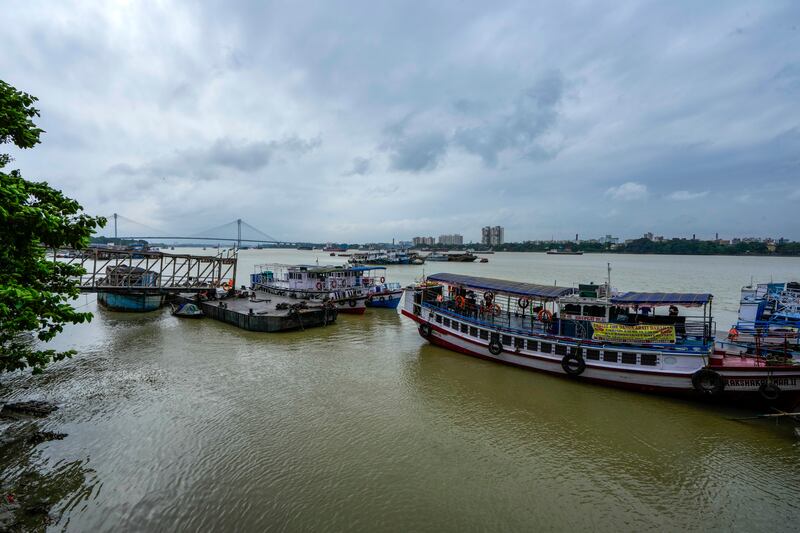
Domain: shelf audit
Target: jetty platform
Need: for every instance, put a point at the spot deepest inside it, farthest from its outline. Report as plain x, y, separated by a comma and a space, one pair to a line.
265, 312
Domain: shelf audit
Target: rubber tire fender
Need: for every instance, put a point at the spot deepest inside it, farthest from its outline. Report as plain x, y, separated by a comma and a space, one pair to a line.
769, 391
495, 347
573, 364
352, 303
425, 330
711, 377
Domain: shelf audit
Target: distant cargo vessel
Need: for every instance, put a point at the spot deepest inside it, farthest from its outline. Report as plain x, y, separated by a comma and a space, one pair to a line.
563, 252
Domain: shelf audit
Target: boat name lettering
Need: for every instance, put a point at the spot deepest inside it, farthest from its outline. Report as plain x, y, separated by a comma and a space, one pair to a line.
756, 382
583, 317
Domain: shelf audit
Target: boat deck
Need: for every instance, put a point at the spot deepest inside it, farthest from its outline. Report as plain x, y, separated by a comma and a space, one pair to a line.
262, 314
519, 324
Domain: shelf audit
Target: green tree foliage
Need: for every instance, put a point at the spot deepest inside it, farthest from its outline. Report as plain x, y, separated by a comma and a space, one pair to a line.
34, 291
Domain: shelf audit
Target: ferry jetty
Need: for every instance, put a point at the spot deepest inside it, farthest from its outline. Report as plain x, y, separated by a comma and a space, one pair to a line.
589, 334
341, 286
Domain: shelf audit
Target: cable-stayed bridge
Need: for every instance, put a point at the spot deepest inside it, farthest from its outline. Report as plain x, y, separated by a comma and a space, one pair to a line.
236, 231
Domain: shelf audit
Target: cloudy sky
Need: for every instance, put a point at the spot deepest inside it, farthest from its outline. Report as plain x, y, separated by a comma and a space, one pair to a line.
364, 121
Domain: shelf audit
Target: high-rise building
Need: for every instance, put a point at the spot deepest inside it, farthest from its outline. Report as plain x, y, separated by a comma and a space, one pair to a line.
424, 241
454, 239
492, 235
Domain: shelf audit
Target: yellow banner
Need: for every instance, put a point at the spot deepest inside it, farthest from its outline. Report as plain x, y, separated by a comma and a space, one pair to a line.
640, 334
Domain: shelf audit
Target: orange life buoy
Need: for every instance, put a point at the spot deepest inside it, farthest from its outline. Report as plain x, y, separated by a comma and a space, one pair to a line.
544, 315
383, 280
733, 334
319, 285
460, 301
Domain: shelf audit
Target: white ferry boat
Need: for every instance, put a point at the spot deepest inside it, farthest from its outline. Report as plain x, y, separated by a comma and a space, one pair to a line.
340, 285
614, 339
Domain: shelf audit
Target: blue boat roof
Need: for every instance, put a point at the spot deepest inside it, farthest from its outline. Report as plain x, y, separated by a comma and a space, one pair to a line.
547, 292
365, 268
687, 299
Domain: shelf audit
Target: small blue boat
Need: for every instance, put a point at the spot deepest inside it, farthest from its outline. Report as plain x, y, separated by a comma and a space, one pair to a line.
130, 289
379, 292
130, 302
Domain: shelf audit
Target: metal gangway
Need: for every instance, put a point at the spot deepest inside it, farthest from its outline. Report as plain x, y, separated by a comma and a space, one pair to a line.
123, 270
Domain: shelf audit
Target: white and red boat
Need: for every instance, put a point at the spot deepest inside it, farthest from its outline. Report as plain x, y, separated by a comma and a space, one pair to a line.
341, 286
623, 340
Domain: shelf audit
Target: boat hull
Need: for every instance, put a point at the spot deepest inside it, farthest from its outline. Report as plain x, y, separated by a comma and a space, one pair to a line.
741, 384
389, 300
130, 303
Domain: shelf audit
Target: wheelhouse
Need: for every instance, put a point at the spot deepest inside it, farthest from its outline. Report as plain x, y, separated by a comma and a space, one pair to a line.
306, 277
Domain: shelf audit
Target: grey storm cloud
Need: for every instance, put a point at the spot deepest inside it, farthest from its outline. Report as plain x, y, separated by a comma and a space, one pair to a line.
415, 145
419, 152
671, 117
361, 166
533, 113
203, 163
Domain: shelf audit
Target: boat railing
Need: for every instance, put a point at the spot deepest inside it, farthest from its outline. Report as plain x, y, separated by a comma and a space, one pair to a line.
693, 333
772, 328
763, 352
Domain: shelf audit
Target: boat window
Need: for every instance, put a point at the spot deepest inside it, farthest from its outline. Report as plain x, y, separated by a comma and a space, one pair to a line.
594, 310
592, 354
473, 331
544, 347
561, 349
572, 309
464, 328
507, 340
611, 357
629, 358
484, 334
439, 319
519, 343
532, 345
447, 322
649, 359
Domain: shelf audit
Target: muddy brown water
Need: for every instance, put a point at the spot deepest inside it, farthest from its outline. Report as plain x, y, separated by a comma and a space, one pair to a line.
194, 425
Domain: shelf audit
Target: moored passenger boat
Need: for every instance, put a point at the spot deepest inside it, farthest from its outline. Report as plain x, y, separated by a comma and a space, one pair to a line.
339, 285
593, 335
769, 320
380, 293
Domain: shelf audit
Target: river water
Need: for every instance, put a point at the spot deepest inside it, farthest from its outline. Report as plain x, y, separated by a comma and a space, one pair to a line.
181, 425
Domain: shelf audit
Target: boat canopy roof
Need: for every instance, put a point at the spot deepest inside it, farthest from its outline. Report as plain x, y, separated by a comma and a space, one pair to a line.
531, 290
686, 299
365, 268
